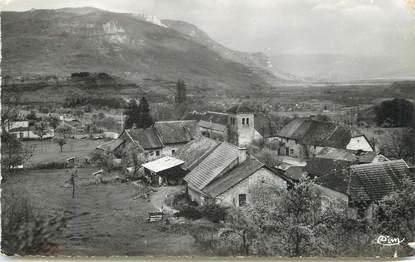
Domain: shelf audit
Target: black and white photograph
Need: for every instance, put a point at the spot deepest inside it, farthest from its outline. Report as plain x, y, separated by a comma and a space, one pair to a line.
225, 129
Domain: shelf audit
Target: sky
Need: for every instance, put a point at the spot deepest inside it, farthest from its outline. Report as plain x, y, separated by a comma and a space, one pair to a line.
342, 27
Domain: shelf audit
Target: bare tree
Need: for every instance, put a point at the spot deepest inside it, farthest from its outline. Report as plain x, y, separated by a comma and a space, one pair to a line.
41, 129
61, 141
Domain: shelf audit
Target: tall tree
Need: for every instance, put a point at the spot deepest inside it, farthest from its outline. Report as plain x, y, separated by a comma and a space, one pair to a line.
144, 119
13, 152
131, 114
180, 92
54, 122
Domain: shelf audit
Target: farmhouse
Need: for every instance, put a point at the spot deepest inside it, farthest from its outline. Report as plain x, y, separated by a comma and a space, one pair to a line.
353, 156
162, 139
302, 138
224, 173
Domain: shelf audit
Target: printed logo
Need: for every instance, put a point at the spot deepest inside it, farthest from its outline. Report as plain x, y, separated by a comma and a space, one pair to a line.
389, 241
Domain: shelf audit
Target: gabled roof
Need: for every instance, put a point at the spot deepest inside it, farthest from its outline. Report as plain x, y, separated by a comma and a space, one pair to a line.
110, 145
240, 108
371, 182
295, 173
147, 138
265, 126
173, 132
317, 133
233, 177
213, 165
195, 151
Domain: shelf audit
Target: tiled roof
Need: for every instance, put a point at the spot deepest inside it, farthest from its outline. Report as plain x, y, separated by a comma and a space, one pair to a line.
147, 137
240, 108
195, 151
212, 125
265, 126
324, 166
213, 165
377, 179
215, 117
318, 133
233, 177
110, 145
172, 132
346, 155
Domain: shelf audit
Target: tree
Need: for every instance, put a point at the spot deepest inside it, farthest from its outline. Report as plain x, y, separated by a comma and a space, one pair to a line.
398, 144
25, 231
295, 222
79, 113
396, 213
9, 112
63, 131
61, 141
133, 157
41, 129
13, 152
54, 122
144, 119
131, 114
395, 113
32, 116
180, 92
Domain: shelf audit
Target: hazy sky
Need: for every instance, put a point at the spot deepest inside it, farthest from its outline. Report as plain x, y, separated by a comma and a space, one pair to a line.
352, 27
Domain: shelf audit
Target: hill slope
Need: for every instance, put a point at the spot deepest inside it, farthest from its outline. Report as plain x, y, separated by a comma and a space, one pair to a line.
133, 47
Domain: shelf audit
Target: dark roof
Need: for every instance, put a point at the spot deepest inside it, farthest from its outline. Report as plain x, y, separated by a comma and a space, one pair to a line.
338, 181
324, 166
213, 165
233, 177
295, 173
241, 108
195, 151
318, 133
265, 126
346, 155
173, 132
371, 182
110, 145
215, 117
147, 137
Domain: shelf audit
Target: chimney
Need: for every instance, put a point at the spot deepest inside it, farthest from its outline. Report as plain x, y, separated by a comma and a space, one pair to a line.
242, 154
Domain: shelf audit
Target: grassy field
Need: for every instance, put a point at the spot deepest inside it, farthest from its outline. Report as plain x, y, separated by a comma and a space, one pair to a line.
48, 151
109, 219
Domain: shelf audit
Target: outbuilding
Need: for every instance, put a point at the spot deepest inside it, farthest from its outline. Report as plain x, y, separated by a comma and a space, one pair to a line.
165, 171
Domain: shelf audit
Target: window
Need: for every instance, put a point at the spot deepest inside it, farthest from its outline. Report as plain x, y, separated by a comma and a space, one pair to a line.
173, 151
287, 151
243, 121
291, 151
242, 200
157, 153
247, 121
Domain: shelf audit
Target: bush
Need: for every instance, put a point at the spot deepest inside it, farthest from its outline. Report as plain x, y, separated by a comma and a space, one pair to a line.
50, 165
213, 212
189, 212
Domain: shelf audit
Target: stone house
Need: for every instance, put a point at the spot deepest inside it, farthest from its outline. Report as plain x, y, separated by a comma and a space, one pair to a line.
163, 138
302, 138
223, 172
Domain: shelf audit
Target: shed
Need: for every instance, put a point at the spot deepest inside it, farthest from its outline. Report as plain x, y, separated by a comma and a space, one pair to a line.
165, 170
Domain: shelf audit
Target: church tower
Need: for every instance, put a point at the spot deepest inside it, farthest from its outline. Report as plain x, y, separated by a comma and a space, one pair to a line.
241, 125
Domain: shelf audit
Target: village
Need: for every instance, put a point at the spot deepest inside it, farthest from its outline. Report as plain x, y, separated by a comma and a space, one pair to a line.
196, 172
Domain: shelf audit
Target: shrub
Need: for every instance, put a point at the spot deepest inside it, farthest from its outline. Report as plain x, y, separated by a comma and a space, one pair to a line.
50, 165
189, 212
213, 212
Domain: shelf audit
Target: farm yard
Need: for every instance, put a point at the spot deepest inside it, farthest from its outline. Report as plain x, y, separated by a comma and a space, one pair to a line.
108, 219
